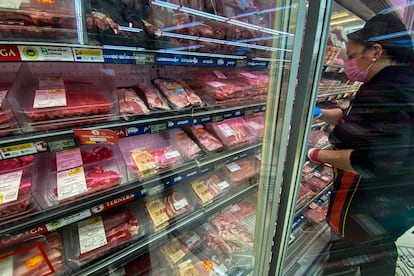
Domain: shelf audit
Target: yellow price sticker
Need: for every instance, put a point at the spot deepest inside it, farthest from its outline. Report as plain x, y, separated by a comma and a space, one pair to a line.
34, 262
75, 171
1, 198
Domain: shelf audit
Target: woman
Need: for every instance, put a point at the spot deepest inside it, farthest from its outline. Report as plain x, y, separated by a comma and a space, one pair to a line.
373, 151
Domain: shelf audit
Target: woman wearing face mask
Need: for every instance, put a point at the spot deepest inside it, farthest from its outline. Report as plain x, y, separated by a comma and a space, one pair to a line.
372, 151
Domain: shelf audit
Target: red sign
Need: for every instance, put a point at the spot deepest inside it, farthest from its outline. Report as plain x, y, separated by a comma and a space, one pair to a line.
96, 136
9, 53
13, 239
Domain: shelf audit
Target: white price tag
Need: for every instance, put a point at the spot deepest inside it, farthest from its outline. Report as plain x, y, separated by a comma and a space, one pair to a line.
10, 4
51, 82
71, 183
215, 84
254, 125
49, 98
192, 240
3, 94
226, 130
91, 234
219, 74
68, 159
233, 167
180, 204
223, 185
9, 186
6, 266
249, 75
172, 154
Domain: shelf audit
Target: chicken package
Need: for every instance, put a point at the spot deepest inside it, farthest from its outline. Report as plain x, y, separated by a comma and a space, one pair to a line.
42, 255
232, 132
185, 145
130, 104
242, 171
100, 235
79, 172
16, 181
179, 94
206, 140
152, 96
255, 124
148, 154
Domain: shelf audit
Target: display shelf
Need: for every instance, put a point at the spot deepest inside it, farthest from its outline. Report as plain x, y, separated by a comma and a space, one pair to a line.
29, 143
56, 217
122, 256
324, 192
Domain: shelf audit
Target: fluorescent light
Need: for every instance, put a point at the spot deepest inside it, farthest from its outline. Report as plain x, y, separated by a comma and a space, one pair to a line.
344, 21
129, 29
182, 26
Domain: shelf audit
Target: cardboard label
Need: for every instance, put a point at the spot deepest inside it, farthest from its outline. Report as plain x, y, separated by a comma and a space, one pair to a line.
42, 53
88, 55
68, 220
10, 4
96, 136
144, 162
71, 183
226, 130
233, 167
157, 211
91, 234
49, 98
215, 84
6, 266
9, 186
68, 159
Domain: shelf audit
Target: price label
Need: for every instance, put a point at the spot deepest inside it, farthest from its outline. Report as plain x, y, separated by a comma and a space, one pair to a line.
68, 159
71, 183
233, 167
172, 154
61, 144
180, 204
49, 98
18, 150
6, 266
155, 190
223, 185
215, 84
158, 128
193, 240
88, 55
249, 112
68, 220
91, 234
144, 58
241, 63
217, 118
226, 130
9, 186
219, 74
51, 82
10, 4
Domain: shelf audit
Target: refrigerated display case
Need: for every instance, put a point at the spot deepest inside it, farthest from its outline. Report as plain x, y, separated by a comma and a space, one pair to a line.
152, 134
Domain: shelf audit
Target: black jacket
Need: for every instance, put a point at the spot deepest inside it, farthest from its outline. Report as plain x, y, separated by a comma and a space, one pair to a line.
379, 127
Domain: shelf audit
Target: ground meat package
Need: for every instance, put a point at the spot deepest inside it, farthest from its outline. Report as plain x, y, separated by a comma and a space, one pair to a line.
205, 139
232, 132
185, 145
100, 235
42, 255
148, 154
242, 171
79, 172
16, 185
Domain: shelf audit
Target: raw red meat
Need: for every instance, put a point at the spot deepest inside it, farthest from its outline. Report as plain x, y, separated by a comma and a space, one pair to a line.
16, 163
98, 179
255, 124
166, 157
120, 227
174, 92
23, 202
176, 204
130, 104
98, 153
192, 97
316, 184
207, 141
180, 140
190, 240
245, 208
232, 132
5, 116
248, 169
153, 97
317, 215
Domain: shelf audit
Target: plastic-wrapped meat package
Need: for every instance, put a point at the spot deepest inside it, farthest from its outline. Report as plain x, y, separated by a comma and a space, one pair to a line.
130, 104
232, 132
316, 184
145, 265
317, 214
255, 124
222, 90
244, 208
190, 240
257, 81
185, 145
241, 171
8, 123
323, 176
91, 153
209, 186
16, 198
152, 96
177, 204
207, 141
94, 237
157, 213
318, 138
42, 255
16, 163
148, 154
305, 193
178, 93
173, 251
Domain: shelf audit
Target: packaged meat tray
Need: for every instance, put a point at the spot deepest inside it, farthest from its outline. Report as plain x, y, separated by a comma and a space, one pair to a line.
177, 203
185, 145
255, 125
130, 104
241, 171
258, 80
206, 140
74, 103
8, 123
152, 96
208, 187
157, 213
178, 93
317, 214
100, 235
173, 251
232, 132
219, 91
79, 172
316, 184
42, 255
148, 154
16, 183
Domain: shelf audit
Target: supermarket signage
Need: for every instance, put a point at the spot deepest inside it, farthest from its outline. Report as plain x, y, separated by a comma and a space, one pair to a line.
61, 143
141, 58
131, 131
118, 201
180, 123
9, 53
258, 64
88, 55
178, 178
173, 59
18, 150
96, 136
116, 56
202, 120
68, 220
42, 53
13, 239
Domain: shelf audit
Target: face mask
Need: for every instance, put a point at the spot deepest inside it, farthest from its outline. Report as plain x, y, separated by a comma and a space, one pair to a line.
353, 72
